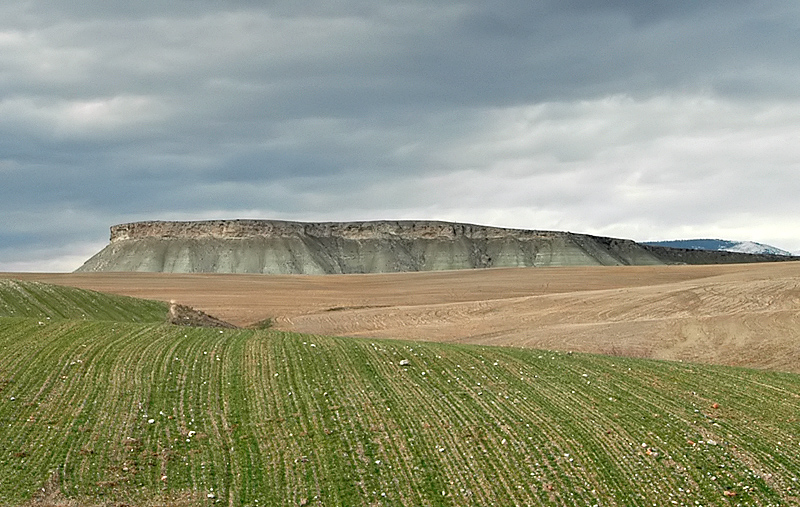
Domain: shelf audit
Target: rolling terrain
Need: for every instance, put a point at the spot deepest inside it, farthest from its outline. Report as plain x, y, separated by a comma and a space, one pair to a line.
745, 315
135, 411
44, 301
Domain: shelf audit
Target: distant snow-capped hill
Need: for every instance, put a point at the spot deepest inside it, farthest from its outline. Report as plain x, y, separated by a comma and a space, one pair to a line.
749, 247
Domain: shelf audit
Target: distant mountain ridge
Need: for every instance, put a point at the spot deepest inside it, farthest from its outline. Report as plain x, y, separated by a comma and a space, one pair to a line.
381, 246
722, 245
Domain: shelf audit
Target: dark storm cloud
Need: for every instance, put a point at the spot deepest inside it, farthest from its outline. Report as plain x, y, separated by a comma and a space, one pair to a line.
513, 113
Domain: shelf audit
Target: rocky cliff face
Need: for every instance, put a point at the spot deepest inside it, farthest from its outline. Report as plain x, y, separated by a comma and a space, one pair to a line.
377, 230
280, 247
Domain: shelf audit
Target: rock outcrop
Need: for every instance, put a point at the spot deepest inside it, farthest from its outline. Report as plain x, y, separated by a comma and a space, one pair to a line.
281, 247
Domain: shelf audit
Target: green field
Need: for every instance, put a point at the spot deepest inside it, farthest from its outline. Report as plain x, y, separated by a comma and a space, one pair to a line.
47, 302
103, 404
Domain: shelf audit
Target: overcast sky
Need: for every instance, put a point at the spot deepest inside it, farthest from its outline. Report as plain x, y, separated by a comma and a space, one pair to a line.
666, 119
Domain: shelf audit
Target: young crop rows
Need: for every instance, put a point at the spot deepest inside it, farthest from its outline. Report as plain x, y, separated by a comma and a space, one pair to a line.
151, 413
46, 302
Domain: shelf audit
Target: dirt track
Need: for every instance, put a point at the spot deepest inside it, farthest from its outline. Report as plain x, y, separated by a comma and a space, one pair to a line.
727, 314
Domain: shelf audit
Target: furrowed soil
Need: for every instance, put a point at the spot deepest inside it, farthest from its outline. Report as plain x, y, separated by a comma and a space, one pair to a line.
102, 402
120, 413
747, 315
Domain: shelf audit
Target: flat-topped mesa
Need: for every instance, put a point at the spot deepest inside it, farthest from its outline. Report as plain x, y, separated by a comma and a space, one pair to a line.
384, 229
280, 247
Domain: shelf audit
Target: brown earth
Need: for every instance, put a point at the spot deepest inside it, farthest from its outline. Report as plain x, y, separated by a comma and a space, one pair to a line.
182, 315
742, 314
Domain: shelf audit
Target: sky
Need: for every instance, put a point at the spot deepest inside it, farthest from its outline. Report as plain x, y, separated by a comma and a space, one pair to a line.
667, 119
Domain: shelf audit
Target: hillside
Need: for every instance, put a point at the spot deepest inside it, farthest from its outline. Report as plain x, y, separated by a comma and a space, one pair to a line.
721, 245
741, 314
751, 318
277, 247
44, 301
113, 413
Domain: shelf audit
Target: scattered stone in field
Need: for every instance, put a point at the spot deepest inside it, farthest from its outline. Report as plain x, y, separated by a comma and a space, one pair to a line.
211, 495
729, 493
715, 405
405, 362
163, 478
151, 421
652, 452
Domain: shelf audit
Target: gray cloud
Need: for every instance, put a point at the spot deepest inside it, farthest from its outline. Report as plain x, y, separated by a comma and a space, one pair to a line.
645, 120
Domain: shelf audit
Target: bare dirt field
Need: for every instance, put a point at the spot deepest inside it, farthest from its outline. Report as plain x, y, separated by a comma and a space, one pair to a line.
746, 315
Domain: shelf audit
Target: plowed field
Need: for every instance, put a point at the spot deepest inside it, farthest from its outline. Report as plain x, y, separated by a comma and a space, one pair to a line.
103, 403
745, 315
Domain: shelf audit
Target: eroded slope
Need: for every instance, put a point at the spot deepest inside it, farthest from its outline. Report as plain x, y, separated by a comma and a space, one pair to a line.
276, 247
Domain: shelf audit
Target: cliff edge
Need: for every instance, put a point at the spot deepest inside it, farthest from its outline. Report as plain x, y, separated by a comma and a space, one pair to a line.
283, 247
